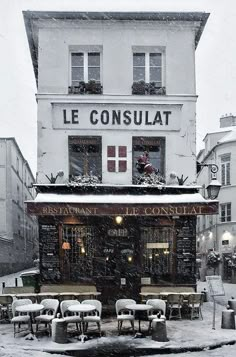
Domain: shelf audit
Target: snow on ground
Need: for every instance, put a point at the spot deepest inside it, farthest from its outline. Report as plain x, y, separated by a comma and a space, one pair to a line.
181, 333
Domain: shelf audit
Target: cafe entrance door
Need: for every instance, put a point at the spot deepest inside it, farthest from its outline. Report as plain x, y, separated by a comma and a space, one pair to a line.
118, 274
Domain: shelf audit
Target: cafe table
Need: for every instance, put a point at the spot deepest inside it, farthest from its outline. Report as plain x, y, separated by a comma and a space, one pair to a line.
30, 309
82, 309
139, 309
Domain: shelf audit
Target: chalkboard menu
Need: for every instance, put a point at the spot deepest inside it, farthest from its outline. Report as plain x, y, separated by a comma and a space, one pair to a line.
49, 252
186, 252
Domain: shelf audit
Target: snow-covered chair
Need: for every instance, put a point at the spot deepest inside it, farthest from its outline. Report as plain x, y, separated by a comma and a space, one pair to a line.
48, 313
124, 314
94, 316
158, 310
20, 317
69, 316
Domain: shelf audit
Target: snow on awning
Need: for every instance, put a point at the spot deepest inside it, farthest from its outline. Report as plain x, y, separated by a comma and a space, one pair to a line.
122, 204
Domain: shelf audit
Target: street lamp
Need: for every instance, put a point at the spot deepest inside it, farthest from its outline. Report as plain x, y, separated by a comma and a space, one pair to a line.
214, 186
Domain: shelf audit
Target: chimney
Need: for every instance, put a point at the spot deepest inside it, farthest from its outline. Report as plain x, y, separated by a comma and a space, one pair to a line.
227, 120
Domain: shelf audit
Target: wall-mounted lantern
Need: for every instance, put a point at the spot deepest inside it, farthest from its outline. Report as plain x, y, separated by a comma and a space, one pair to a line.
214, 186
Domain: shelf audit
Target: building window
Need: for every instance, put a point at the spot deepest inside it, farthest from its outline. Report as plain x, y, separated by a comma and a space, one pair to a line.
147, 67
225, 169
85, 156
17, 165
225, 242
116, 158
225, 212
155, 147
85, 66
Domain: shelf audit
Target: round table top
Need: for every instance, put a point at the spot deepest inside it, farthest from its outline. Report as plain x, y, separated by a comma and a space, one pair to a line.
81, 308
48, 294
139, 307
29, 308
91, 293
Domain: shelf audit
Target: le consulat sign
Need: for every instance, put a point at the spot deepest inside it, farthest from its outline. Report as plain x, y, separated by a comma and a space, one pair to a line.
62, 209
116, 116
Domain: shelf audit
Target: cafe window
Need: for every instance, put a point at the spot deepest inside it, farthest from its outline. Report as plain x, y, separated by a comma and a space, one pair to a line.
78, 252
155, 147
116, 158
85, 157
157, 245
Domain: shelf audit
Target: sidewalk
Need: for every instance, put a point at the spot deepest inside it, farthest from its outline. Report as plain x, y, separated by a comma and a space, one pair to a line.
184, 335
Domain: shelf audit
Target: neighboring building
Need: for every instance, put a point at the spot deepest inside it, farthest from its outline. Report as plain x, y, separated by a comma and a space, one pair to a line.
18, 230
219, 232
116, 98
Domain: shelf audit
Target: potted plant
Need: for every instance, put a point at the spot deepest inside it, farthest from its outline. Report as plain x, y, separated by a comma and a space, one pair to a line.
139, 87
154, 89
93, 87
78, 89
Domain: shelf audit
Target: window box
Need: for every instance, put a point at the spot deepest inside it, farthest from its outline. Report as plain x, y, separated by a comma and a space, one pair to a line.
139, 88
154, 89
142, 88
92, 87
78, 89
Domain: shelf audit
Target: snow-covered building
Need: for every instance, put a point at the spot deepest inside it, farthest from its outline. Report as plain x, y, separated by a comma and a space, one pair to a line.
218, 232
116, 108
18, 230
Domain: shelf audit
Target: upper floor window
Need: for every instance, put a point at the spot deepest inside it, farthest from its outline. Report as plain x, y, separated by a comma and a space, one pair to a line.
147, 73
148, 67
17, 164
225, 169
85, 156
85, 66
225, 212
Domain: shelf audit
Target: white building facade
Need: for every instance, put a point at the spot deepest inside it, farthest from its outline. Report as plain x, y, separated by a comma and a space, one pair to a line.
218, 232
18, 230
113, 96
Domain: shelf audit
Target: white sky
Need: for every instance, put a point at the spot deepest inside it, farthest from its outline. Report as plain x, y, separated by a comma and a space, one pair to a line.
215, 62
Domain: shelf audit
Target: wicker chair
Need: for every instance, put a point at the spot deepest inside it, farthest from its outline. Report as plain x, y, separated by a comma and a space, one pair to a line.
159, 307
175, 303
123, 314
94, 316
48, 313
194, 305
18, 317
68, 316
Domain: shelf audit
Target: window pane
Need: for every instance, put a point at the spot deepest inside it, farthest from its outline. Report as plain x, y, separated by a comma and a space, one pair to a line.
77, 59
111, 151
94, 73
228, 173
111, 165
139, 74
139, 59
155, 59
155, 74
77, 74
122, 166
122, 151
94, 59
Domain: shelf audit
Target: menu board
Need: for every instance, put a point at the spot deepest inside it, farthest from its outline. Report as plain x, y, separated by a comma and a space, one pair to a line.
215, 285
186, 252
49, 252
